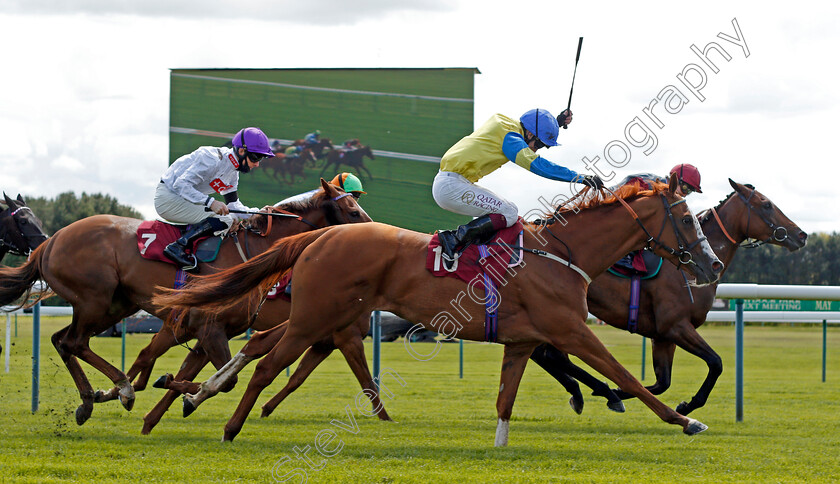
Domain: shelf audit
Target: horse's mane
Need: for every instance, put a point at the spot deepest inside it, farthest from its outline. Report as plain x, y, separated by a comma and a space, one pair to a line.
299, 207
588, 199
705, 215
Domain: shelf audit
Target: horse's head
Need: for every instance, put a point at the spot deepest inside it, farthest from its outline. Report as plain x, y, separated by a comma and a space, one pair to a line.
20, 230
760, 219
340, 207
368, 152
680, 238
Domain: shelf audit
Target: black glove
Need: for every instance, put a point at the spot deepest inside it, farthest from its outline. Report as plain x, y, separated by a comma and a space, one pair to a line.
593, 181
564, 118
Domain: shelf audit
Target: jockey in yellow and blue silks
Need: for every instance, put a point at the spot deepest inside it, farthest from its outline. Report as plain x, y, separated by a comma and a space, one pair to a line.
499, 140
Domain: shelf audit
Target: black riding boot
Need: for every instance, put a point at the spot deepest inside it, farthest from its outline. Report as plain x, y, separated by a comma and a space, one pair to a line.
176, 251
455, 241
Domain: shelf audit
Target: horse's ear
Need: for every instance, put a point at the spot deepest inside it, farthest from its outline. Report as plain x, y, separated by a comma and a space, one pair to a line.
21, 199
672, 183
734, 184
9, 201
329, 189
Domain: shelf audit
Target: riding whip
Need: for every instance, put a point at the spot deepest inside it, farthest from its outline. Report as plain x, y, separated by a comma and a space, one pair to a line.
577, 58
271, 214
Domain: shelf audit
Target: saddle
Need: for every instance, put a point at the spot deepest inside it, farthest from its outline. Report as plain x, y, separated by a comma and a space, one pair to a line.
485, 265
642, 263
154, 235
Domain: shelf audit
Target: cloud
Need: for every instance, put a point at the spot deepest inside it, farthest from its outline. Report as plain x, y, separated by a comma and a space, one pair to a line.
311, 12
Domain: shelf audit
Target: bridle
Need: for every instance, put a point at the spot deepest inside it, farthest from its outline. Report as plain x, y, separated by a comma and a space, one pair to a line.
10, 246
683, 252
780, 234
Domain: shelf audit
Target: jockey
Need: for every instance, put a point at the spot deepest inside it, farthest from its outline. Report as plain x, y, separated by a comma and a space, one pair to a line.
312, 138
183, 194
352, 144
499, 140
350, 183
293, 151
688, 175
689, 182
276, 147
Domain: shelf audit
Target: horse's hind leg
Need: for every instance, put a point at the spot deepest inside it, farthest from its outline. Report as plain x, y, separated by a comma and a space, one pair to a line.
350, 344
311, 359
259, 345
143, 364
663, 360
290, 347
513, 366
84, 410
193, 363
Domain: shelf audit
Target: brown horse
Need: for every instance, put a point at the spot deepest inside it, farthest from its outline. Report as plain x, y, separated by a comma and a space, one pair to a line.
95, 265
384, 267
20, 230
352, 158
288, 168
669, 312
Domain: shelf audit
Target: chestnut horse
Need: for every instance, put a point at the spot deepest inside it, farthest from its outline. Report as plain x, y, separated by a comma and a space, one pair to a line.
95, 265
669, 312
383, 267
352, 158
20, 230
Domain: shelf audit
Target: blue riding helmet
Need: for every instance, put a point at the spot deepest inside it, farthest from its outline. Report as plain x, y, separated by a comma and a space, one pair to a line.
543, 124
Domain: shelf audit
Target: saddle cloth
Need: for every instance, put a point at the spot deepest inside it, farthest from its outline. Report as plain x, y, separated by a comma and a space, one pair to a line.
471, 263
154, 235
645, 264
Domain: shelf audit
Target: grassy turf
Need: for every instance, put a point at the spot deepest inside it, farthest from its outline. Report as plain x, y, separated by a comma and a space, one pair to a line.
444, 425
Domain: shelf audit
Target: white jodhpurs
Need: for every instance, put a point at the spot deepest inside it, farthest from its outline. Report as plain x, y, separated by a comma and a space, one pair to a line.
173, 208
455, 193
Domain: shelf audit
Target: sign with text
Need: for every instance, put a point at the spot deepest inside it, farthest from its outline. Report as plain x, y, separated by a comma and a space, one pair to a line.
786, 305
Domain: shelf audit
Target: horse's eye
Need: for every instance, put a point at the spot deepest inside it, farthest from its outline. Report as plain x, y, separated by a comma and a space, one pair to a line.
767, 205
354, 213
687, 220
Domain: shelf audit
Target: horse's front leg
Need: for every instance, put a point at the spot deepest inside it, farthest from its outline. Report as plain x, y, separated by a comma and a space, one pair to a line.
692, 342
513, 366
577, 339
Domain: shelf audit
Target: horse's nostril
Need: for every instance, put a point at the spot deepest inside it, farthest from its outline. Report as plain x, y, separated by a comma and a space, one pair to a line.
717, 267
803, 236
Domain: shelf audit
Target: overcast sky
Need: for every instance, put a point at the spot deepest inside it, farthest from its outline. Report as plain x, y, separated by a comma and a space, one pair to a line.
85, 93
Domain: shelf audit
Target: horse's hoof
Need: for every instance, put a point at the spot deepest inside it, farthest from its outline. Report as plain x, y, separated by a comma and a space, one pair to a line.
147, 426
266, 412
616, 406
694, 427
683, 408
576, 403
83, 413
189, 407
127, 401
163, 381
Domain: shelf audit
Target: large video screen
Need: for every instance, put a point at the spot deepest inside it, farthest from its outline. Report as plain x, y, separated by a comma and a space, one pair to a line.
406, 117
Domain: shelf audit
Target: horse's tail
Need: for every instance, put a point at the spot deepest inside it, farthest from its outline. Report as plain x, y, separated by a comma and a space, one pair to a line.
18, 281
225, 289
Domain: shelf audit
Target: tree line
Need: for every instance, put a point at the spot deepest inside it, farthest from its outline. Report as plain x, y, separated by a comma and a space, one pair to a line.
818, 263
66, 208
